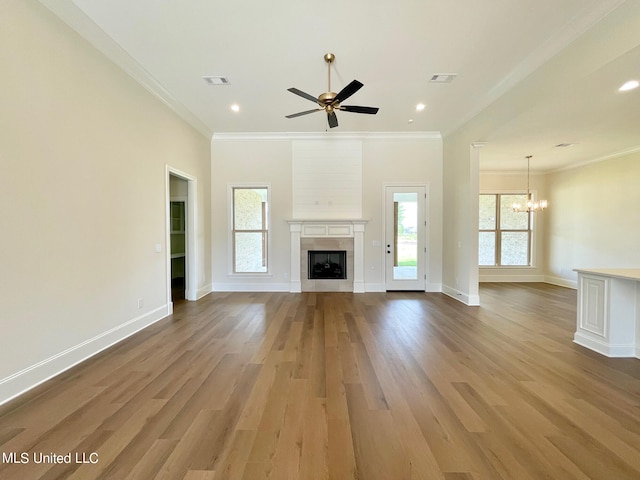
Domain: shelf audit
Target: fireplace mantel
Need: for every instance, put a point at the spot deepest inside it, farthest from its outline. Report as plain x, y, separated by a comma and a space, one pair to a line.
330, 228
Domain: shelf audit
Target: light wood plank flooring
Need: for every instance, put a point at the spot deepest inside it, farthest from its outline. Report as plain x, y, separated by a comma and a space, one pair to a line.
335, 385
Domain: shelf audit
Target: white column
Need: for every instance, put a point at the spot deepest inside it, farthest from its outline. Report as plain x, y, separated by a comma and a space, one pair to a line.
295, 285
358, 257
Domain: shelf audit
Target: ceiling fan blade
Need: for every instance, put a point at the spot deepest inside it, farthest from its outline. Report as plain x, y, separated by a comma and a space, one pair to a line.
293, 115
333, 120
303, 94
347, 91
357, 109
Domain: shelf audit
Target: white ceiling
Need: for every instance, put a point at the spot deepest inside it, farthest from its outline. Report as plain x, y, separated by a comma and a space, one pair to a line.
530, 73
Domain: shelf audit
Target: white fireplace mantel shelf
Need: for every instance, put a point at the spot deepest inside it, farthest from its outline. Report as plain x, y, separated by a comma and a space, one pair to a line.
327, 228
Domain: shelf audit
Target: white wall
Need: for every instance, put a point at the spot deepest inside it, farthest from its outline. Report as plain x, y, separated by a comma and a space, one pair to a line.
83, 155
265, 159
593, 219
516, 183
248, 160
461, 203
396, 162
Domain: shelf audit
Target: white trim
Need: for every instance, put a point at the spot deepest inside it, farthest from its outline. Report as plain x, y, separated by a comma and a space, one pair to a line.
425, 224
30, 377
470, 300
561, 282
512, 278
284, 136
251, 287
622, 153
74, 16
204, 291
572, 166
230, 240
604, 348
322, 229
192, 219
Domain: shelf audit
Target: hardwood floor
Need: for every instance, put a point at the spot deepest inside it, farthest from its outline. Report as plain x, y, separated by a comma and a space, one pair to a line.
341, 386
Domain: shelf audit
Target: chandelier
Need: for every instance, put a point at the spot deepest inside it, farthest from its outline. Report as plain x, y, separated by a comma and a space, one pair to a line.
531, 206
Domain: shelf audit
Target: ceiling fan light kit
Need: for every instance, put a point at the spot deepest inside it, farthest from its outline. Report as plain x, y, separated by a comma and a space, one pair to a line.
331, 101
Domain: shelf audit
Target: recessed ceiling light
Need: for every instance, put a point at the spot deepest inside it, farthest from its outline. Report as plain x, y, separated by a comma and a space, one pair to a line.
411, 120
630, 85
420, 107
235, 107
443, 77
216, 80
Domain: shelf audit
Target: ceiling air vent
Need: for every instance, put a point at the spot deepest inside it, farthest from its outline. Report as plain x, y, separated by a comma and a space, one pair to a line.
443, 77
216, 80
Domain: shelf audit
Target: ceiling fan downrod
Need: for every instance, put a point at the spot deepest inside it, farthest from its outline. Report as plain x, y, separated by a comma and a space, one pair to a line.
329, 58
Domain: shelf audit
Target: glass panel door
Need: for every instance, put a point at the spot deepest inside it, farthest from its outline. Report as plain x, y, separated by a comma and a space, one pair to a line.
405, 238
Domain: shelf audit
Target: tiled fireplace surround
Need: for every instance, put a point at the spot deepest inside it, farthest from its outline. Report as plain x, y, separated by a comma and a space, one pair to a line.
345, 235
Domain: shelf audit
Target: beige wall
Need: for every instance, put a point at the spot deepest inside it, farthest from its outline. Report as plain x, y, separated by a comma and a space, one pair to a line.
593, 219
83, 155
244, 159
590, 222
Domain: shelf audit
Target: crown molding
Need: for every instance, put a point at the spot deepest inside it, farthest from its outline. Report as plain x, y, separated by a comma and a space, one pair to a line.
621, 153
288, 136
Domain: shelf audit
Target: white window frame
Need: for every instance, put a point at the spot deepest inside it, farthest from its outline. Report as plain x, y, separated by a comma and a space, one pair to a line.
231, 240
498, 230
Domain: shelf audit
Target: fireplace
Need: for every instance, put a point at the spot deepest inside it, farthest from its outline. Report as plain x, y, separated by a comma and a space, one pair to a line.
344, 236
327, 264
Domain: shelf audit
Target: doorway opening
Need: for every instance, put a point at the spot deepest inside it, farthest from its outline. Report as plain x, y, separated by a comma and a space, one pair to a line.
178, 241
181, 265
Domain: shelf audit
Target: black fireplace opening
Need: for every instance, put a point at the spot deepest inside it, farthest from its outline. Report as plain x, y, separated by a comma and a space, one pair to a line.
327, 264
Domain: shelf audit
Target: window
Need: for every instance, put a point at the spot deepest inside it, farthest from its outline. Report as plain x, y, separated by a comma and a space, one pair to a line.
250, 223
504, 235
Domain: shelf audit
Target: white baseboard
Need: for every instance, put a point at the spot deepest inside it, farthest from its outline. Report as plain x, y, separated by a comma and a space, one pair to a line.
561, 282
511, 278
614, 351
381, 287
204, 291
251, 287
471, 300
30, 377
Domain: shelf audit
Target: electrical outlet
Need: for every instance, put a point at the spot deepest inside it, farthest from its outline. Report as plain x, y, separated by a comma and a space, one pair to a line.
140, 303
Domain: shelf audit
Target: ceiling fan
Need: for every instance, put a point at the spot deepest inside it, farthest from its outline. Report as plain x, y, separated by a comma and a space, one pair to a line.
330, 101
